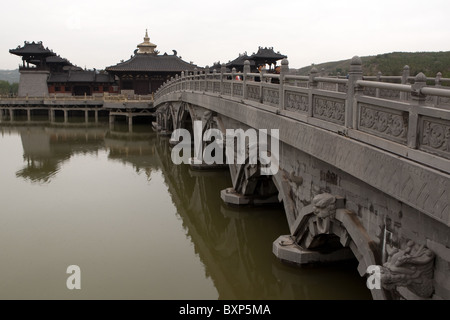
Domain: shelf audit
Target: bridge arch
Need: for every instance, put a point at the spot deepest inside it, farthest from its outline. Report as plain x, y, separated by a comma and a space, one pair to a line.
325, 231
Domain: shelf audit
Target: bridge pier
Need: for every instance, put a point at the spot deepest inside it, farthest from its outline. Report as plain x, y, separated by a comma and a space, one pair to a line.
196, 164
232, 197
11, 114
66, 116
287, 250
28, 115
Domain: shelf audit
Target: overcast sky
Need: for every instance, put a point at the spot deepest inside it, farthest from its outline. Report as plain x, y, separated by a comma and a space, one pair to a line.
98, 33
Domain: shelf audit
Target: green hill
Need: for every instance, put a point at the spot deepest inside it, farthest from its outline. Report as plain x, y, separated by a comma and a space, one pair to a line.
11, 76
391, 64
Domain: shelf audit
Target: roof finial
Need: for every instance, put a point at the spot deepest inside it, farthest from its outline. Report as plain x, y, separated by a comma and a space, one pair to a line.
146, 46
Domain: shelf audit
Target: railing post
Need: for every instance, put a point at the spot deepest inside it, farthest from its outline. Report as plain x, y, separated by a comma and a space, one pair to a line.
284, 70
312, 85
206, 78
233, 75
223, 69
377, 90
418, 99
195, 78
263, 80
337, 84
183, 85
437, 84
351, 106
405, 76
321, 74
214, 78
246, 71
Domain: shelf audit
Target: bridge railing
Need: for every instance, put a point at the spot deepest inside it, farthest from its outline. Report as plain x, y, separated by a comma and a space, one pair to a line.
438, 81
398, 117
60, 98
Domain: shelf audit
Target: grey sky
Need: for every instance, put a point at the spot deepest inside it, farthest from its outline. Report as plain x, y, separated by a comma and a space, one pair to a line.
96, 34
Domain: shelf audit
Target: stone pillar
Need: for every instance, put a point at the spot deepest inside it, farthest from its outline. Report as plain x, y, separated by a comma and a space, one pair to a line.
86, 116
312, 84
351, 107
223, 69
418, 100
28, 115
437, 81
207, 71
437, 84
96, 116
66, 116
377, 90
214, 78
195, 79
233, 79
284, 70
246, 72
405, 76
182, 87
262, 72
11, 114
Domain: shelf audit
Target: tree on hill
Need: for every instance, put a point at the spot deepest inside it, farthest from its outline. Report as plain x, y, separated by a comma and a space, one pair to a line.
8, 89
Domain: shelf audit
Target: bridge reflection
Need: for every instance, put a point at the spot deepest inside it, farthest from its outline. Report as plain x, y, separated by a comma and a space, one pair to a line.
233, 244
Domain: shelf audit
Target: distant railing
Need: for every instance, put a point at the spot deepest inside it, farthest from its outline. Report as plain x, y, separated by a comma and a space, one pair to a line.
59, 98
34, 68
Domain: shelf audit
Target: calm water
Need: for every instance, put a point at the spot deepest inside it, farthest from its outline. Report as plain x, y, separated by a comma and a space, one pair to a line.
138, 226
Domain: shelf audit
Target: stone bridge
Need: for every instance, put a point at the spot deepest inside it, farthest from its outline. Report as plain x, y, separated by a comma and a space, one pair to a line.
362, 171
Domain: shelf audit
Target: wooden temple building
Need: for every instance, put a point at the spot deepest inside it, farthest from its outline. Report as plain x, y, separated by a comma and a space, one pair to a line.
147, 70
43, 72
238, 63
264, 56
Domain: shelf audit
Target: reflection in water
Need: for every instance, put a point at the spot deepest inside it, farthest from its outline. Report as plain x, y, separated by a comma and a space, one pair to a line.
235, 243
45, 148
163, 226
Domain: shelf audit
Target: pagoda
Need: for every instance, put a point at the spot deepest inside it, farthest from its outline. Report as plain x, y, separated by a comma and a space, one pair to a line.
43, 72
34, 53
34, 71
147, 70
